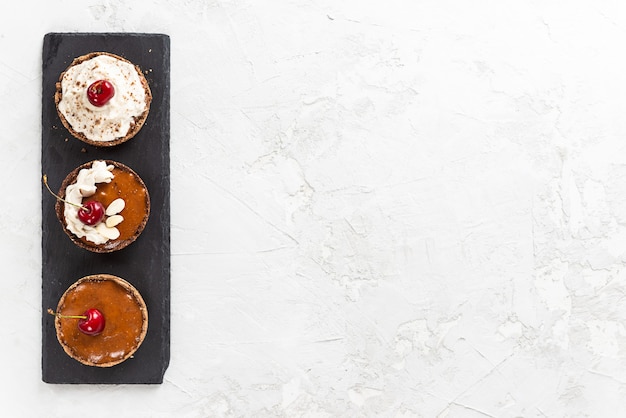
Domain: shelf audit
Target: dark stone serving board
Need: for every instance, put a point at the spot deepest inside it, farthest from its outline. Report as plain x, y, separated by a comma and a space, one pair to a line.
146, 262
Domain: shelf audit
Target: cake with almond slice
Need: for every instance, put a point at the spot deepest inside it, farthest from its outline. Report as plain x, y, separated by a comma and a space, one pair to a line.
109, 187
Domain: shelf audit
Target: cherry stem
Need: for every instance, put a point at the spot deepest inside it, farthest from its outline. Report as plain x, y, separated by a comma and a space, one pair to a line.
45, 181
51, 312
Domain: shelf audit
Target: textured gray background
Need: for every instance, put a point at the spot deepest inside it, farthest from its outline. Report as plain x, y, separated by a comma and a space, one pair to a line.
398, 208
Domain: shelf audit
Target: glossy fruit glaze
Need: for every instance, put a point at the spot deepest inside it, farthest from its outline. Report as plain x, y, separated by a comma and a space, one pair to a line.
124, 321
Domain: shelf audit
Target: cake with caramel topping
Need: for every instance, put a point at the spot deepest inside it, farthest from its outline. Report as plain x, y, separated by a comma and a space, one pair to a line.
123, 310
102, 99
118, 190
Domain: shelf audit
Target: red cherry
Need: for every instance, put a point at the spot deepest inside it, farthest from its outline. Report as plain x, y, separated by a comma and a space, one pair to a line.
91, 213
100, 92
93, 324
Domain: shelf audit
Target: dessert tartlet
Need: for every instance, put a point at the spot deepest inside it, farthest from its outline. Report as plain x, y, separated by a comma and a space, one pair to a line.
122, 195
124, 314
102, 99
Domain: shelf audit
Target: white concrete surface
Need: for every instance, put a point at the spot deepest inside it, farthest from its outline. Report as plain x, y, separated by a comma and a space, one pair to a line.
379, 208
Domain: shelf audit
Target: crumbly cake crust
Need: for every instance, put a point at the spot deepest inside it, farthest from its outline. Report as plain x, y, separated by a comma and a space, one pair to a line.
138, 121
110, 246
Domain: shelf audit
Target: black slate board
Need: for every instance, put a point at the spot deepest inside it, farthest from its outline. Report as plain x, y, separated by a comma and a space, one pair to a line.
146, 262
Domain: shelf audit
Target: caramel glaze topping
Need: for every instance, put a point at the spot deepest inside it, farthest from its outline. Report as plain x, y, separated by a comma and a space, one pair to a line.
123, 314
127, 186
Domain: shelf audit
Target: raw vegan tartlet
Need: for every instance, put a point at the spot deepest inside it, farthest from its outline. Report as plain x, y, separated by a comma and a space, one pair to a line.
102, 99
124, 317
123, 196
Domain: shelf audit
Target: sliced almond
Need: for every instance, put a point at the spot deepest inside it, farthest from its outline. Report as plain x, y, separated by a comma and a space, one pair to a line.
105, 231
114, 220
115, 207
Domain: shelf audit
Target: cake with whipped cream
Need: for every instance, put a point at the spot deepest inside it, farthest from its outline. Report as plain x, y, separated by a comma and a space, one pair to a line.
121, 194
103, 99
124, 320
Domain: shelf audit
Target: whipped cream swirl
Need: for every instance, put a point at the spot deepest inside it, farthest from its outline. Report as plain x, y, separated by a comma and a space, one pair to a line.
85, 186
